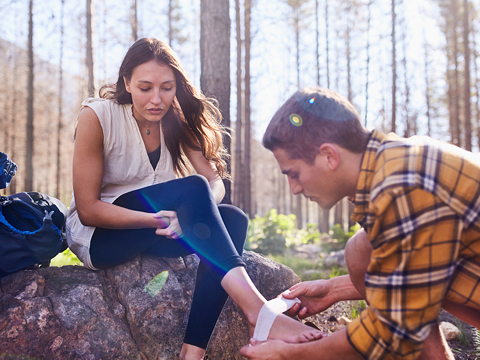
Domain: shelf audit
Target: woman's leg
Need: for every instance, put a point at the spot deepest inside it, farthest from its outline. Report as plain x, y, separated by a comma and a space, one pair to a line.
208, 292
209, 297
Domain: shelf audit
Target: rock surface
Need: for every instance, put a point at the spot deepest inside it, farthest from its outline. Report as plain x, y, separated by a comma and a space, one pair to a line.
75, 313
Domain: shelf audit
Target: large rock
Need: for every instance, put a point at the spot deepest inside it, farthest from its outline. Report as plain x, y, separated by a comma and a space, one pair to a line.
74, 313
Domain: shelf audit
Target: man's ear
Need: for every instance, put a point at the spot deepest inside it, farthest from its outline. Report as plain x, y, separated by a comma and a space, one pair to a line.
331, 155
127, 84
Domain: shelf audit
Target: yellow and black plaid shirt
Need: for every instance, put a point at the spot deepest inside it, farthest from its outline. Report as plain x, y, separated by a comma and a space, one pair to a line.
419, 201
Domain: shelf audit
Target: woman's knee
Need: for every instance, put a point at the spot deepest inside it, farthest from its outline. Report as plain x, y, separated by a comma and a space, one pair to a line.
233, 214
236, 222
197, 181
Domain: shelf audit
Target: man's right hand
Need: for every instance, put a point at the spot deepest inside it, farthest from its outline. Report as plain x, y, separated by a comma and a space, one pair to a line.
315, 296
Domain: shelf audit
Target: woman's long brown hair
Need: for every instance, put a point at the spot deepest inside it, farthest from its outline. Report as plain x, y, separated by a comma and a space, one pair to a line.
192, 121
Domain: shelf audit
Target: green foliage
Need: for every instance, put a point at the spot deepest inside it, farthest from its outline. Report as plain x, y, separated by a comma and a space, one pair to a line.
267, 234
297, 237
273, 233
304, 268
462, 337
337, 271
337, 233
65, 258
357, 308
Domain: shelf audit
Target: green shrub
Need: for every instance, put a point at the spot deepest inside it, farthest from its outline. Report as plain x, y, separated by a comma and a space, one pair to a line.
267, 234
357, 307
273, 233
336, 232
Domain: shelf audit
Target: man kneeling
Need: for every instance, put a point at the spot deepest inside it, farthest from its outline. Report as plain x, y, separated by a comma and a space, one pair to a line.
418, 202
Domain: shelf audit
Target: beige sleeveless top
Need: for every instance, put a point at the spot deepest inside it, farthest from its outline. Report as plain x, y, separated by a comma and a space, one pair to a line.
126, 167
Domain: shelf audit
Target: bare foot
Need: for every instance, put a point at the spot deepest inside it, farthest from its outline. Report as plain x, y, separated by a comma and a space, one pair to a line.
292, 331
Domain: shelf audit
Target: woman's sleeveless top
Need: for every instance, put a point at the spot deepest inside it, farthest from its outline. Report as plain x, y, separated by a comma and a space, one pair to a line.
126, 167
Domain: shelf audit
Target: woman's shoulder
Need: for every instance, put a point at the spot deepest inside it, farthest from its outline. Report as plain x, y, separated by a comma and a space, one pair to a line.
101, 103
105, 109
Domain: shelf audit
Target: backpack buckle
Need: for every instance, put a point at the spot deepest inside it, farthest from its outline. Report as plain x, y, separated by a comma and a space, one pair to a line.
4, 200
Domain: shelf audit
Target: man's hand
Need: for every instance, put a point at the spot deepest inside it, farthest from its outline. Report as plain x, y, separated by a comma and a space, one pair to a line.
270, 349
315, 296
168, 225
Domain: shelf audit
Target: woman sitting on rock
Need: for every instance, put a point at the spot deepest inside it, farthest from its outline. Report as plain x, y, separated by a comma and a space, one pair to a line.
130, 146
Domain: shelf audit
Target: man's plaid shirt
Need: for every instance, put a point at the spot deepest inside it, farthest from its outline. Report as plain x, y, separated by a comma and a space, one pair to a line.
419, 201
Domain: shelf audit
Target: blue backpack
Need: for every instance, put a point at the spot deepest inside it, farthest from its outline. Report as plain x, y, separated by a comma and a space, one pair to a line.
32, 226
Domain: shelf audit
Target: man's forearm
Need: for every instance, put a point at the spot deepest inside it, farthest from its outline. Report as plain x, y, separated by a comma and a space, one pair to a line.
342, 289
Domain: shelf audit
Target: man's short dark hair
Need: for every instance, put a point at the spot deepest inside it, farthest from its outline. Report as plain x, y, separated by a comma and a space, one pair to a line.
312, 117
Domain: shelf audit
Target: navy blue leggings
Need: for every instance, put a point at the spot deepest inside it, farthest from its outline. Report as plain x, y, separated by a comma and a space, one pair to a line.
215, 233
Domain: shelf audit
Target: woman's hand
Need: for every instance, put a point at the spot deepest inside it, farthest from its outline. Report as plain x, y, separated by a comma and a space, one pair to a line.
168, 224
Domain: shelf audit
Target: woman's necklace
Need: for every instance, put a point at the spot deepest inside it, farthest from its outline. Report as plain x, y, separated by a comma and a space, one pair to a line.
146, 127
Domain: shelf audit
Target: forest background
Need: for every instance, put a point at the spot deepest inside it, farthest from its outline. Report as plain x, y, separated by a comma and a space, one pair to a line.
409, 66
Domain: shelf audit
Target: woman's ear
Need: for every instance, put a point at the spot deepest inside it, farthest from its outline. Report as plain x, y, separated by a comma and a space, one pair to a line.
331, 155
127, 84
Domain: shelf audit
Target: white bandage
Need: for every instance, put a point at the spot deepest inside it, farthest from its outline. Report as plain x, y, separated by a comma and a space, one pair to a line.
269, 311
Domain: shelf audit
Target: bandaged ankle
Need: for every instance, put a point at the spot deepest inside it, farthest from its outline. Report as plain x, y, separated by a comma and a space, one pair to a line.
269, 311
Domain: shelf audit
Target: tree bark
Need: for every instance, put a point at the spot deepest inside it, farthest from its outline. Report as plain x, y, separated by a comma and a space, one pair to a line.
456, 92
239, 189
394, 70
427, 88
317, 43
215, 63
60, 107
327, 44
134, 20
91, 85
170, 31
466, 47
248, 127
28, 186
368, 59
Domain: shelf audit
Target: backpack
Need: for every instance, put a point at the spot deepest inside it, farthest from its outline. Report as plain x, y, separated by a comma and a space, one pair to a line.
32, 226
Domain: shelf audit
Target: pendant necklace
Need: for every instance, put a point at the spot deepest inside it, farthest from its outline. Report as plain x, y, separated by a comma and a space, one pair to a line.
148, 128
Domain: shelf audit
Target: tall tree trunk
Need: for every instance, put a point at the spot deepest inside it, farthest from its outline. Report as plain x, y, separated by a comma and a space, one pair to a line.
477, 88
368, 59
298, 209
410, 128
466, 47
239, 189
134, 20
13, 152
60, 107
248, 126
317, 43
215, 64
327, 44
394, 70
170, 19
450, 78
91, 85
325, 214
28, 186
349, 55
457, 139
349, 207
427, 87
